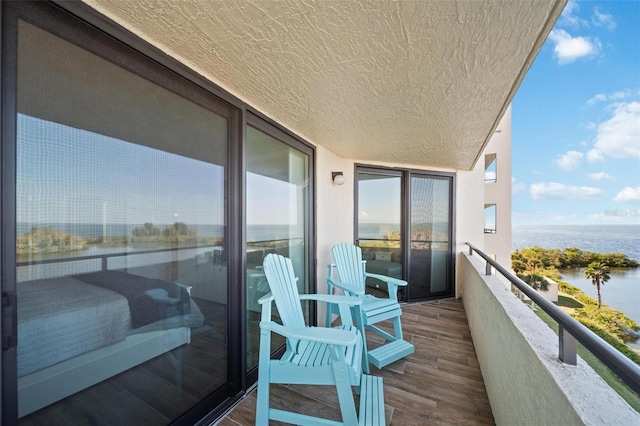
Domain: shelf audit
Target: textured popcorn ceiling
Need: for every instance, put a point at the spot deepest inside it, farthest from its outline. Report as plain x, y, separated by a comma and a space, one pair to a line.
406, 82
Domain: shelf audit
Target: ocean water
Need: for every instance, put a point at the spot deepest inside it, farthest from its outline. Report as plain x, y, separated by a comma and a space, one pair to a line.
596, 238
622, 291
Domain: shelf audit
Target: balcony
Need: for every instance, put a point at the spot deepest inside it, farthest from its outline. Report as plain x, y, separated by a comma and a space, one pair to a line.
485, 359
440, 383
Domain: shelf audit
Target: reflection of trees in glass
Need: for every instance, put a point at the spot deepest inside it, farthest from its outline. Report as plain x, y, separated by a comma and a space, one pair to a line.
44, 240
48, 240
177, 234
421, 233
146, 230
390, 240
392, 236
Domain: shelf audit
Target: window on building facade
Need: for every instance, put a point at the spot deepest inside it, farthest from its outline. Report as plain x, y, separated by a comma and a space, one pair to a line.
490, 225
490, 168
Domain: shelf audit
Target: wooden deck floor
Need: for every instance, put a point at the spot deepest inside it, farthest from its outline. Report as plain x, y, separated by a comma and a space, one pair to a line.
440, 384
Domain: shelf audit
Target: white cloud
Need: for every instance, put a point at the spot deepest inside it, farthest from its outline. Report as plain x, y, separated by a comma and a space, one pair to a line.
628, 194
569, 160
600, 97
569, 49
595, 156
601, 176
555, 190
516, 187
621, 94
569, 17
489, 176
619, 137
615, 96
623, 213
603, 19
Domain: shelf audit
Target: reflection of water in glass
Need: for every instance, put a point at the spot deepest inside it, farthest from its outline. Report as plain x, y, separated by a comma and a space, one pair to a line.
621, 292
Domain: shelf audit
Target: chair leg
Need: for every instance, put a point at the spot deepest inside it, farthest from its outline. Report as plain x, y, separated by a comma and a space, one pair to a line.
345, 394
365, 350
331, 310
397, 328
262, 403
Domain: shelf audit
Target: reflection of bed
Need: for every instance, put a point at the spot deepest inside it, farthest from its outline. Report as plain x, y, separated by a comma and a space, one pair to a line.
77, 331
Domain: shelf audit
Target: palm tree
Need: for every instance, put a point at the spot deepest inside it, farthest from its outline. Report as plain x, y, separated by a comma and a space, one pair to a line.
598, 273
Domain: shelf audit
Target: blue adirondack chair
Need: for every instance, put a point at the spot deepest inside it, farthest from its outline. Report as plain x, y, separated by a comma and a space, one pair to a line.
314, 355
352, 272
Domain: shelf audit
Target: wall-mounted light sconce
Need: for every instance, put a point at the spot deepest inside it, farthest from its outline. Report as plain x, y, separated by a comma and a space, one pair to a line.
337, 178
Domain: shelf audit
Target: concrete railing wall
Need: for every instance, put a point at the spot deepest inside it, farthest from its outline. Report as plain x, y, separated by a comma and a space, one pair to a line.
518, 356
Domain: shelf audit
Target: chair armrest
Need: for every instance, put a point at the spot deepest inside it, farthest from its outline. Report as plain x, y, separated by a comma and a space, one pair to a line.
387, 279
333, 298
267, 298
346, 287
392, 284
330, 336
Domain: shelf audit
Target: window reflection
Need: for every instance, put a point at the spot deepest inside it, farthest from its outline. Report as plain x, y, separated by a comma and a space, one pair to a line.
277, 221
121, 250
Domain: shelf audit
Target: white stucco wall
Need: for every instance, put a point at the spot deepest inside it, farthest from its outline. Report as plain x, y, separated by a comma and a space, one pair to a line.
469, 215
335, 208
518, 357
499, 192
334, 212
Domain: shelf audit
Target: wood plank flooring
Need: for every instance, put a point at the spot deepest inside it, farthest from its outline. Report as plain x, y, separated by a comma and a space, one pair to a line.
440, 384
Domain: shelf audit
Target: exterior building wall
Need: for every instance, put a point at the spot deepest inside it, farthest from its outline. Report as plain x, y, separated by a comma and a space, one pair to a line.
469, 215
498, 193
334, 213
335, 209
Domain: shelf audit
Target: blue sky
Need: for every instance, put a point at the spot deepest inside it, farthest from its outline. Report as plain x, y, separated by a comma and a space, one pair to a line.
68, 175
576, 121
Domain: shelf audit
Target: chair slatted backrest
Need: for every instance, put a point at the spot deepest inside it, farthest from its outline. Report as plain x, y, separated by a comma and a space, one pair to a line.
282, 282
351, 268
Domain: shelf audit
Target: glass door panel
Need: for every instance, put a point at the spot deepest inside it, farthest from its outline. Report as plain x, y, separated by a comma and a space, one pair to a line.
121, 251
379, 231
429, 254
404, 230
277, 218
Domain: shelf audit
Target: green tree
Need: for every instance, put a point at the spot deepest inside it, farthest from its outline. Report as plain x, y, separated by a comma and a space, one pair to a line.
536, 281
598, 273
146, 230
518, 262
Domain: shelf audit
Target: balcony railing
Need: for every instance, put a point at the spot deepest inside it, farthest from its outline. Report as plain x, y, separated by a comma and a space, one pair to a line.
570, 330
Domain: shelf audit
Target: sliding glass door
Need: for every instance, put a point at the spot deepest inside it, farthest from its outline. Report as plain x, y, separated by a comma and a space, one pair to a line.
379, 231
430, 273
278, 217
404, 227
120, 263
136, 208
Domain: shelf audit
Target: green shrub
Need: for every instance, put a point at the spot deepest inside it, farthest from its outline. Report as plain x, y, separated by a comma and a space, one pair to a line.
567, 288
613, 341
586, 300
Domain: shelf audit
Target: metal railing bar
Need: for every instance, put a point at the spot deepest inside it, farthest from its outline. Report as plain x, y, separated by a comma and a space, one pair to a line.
626, 369
107, 255
273, 241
